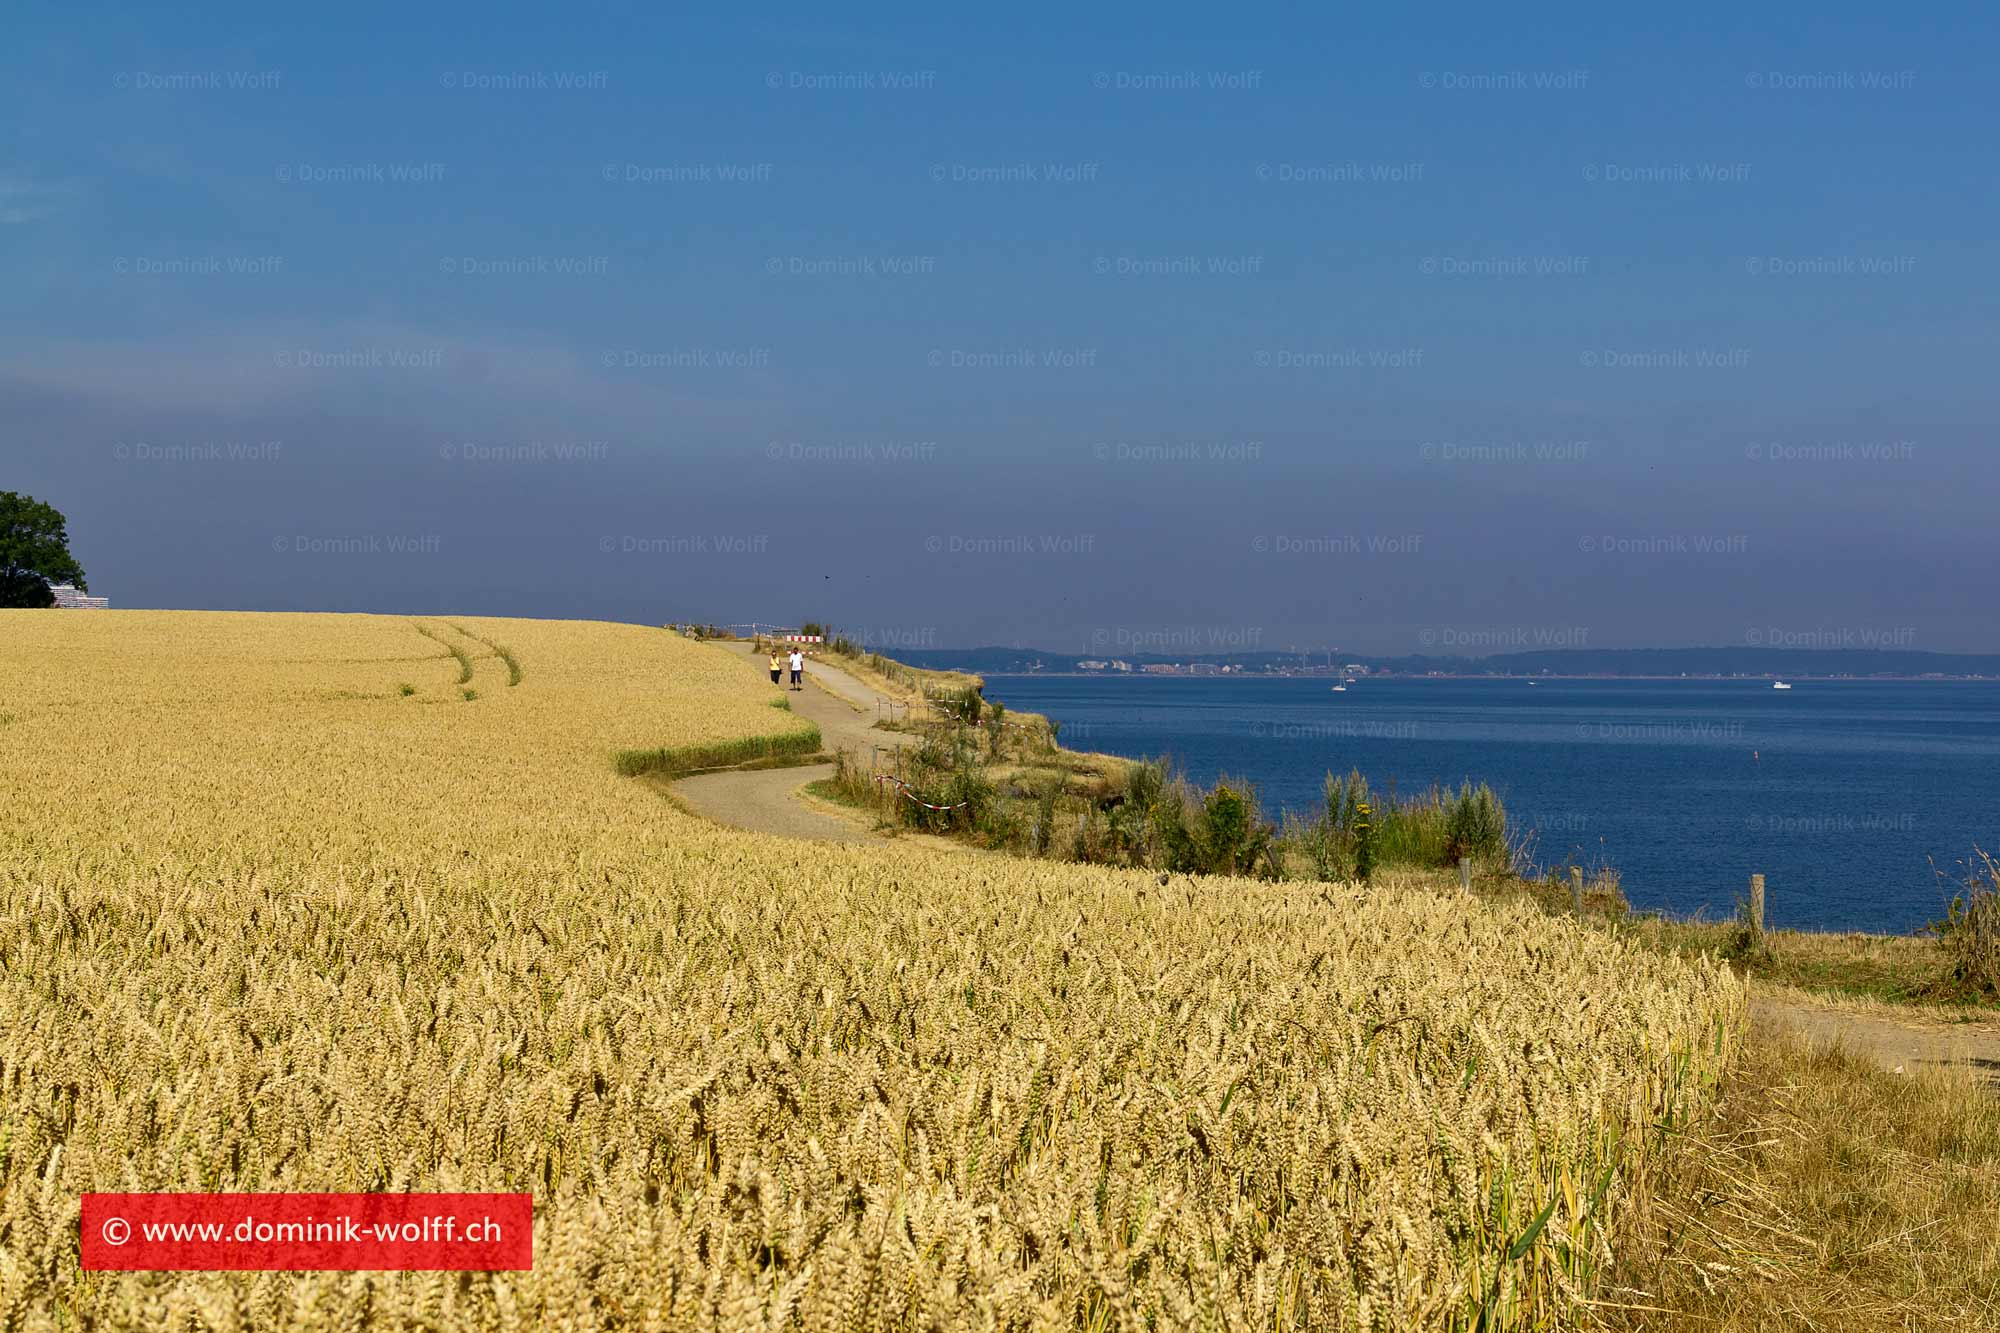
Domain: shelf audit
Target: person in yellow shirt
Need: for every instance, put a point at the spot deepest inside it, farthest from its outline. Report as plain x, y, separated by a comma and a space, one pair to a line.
775, 667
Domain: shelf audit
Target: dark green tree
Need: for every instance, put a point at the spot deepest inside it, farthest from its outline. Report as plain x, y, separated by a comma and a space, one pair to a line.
34, 552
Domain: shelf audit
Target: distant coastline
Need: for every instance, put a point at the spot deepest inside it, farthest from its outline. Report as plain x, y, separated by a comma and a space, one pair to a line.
1716, 663
1885, 679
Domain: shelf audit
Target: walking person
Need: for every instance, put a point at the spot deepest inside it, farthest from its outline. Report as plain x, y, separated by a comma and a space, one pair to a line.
798, 667
774, 666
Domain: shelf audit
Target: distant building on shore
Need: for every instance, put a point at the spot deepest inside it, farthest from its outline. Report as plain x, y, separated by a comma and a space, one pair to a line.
68, 597
1091, 664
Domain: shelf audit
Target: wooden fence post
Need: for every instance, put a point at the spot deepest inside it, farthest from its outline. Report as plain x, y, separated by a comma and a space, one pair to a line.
1465, 874
1576, 888
1757, 907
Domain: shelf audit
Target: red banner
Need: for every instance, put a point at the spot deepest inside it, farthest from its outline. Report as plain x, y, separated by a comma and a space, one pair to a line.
294, 1232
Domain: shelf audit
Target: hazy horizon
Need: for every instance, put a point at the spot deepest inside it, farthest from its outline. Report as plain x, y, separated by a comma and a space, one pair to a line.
1278, 330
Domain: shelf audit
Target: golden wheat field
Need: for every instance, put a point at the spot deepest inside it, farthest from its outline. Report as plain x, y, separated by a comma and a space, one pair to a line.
269, 922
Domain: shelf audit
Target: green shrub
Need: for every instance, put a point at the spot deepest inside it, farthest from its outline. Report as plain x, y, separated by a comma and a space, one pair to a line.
1432, 829
688, 758
1233, 833
1970, 931
1045, 816
1476, 826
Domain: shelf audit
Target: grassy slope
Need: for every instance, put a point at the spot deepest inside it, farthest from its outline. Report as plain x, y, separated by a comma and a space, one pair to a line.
1827, 1194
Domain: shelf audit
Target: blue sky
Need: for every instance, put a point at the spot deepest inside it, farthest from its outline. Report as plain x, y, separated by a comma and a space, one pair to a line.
1284, 327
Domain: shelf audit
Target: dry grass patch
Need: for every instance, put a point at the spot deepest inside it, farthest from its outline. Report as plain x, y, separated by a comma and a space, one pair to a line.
1894, 969
1828, 1195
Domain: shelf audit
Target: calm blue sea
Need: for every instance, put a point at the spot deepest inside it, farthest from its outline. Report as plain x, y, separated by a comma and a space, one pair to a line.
1849, 796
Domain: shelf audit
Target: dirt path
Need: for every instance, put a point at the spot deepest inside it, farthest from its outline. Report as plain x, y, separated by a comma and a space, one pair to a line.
1901, 1046
770, 800
773, 800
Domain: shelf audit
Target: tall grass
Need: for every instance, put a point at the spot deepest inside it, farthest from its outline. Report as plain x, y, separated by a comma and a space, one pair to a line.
1970, 931
678, 761
1431, 829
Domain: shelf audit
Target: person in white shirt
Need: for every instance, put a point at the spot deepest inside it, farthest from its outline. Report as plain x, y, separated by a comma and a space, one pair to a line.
798, 663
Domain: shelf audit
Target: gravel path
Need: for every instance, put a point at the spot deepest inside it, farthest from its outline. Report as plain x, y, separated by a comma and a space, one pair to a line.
773, 800
1899, 1046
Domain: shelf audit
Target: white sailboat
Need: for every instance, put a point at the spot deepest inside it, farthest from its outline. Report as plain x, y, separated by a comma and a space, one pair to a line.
1779, 685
